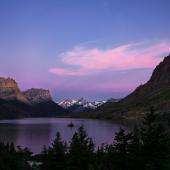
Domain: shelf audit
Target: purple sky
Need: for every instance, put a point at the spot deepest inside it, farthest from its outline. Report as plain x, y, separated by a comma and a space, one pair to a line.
95, 49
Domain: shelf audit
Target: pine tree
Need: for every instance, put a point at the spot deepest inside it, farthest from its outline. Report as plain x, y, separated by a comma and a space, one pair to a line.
155, 141
54, 157
121, 147
135, 149
81, 151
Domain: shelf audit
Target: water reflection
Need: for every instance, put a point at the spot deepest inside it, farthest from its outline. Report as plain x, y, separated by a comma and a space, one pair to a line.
36, 132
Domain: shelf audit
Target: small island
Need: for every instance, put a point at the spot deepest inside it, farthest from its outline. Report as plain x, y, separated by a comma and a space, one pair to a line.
71, 124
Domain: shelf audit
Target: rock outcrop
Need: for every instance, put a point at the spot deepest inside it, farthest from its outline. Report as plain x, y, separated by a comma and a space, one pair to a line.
8, 87
37, 95
42, 102
9, 90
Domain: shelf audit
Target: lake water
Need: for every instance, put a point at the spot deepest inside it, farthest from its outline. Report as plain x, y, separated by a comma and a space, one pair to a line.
36, 132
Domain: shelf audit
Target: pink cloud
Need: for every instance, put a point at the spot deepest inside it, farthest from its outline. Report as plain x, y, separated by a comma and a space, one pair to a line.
64, 72
93, 60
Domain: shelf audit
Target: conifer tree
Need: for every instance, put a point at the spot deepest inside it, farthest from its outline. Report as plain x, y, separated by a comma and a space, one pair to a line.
54, 157
81, 151
155, 141
121, 147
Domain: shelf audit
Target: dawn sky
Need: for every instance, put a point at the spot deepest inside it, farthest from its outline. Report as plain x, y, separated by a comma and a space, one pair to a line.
95, 49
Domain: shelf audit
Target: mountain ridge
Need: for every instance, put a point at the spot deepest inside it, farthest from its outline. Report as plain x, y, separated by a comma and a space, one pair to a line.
154, 93
82, 102
80, 105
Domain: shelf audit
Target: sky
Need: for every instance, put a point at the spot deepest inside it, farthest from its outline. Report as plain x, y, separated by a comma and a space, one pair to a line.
96, 49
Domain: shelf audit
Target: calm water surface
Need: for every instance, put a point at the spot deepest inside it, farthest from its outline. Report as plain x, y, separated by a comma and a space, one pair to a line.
36, 132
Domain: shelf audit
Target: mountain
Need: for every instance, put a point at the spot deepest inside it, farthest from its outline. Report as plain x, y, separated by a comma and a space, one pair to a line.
10, 91
33, 102
80, 105
156, 93
12, 102
42, 102
67, 103
35, 96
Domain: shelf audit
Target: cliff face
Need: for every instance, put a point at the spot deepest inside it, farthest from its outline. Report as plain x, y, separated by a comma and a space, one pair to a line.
36, 96
9, 90
42, 102
8, 87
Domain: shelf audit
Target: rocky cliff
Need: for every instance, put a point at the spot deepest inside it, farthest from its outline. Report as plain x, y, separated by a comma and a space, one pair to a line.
37, 95
8, 87
9, 90
42, 102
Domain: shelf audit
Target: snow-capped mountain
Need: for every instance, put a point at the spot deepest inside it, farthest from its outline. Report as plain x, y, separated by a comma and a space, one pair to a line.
81, 102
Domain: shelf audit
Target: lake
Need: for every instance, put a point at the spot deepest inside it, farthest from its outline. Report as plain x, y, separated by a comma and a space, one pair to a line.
34, 133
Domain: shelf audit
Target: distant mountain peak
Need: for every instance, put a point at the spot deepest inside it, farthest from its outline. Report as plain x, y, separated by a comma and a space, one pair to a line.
80, 102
